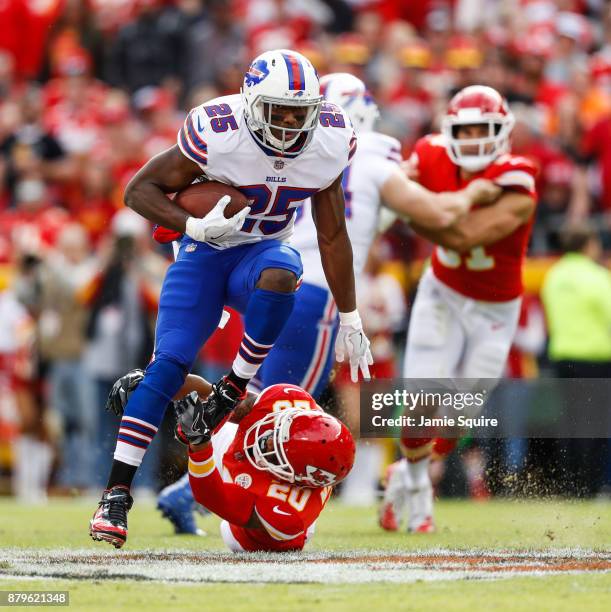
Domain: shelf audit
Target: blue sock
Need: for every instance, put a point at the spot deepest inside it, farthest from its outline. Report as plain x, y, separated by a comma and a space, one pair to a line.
145, 409
266, 314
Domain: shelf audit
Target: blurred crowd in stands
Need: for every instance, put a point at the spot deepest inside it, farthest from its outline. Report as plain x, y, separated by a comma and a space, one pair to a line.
90, 89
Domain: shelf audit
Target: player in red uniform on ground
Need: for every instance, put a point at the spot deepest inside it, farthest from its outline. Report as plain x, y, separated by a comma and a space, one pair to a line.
269, 471
468, 302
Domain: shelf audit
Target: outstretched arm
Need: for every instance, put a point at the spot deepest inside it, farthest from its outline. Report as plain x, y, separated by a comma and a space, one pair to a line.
434, 210
483, 226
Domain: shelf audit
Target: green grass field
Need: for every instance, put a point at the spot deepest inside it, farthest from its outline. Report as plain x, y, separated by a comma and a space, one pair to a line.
538, 526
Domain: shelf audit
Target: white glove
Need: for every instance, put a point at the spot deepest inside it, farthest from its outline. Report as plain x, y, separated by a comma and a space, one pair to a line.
351, 339
214, 226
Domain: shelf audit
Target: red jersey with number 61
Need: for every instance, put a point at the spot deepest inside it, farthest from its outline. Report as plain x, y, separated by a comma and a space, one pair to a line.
492, 273
306, 502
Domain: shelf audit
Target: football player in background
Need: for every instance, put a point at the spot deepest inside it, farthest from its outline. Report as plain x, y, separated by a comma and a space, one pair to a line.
302, 353
279, 144
467, 306
268, 471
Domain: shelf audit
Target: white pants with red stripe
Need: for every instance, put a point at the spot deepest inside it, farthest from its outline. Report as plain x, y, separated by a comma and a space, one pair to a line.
453, 336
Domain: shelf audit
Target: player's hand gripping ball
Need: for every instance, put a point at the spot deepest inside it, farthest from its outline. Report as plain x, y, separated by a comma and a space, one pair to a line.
217, 210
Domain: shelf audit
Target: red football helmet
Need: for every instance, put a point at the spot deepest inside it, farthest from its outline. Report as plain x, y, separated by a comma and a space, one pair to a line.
477, 105
307, 447
285, 395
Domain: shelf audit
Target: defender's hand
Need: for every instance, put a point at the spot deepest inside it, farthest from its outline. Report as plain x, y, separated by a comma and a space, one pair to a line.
410, 168
351, 340
190, 427
482, 191
121, 390
214, 226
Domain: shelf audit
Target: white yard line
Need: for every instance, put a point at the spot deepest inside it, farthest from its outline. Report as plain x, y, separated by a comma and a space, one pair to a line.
333, 568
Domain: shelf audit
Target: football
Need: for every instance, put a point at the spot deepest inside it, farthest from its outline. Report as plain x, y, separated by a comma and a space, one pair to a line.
200, 198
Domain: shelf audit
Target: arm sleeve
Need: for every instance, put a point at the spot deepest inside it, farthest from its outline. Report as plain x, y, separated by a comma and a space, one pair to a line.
225, 499
518, 175
191, 139
380, 169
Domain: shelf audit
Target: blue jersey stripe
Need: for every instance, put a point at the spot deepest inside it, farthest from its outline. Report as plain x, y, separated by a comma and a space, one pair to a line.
195, 137
190, 151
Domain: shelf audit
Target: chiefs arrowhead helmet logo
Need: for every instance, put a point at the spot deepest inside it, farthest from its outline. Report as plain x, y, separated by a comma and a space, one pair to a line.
319, 477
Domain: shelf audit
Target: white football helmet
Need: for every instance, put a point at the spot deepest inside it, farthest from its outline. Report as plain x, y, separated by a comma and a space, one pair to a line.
350, 93
285, 78
477, 104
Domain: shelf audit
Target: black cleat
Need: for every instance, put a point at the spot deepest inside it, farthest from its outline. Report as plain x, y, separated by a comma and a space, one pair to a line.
109, 523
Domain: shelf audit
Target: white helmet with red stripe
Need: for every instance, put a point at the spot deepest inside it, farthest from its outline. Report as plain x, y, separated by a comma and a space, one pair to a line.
477, 105
281, 78
351, 94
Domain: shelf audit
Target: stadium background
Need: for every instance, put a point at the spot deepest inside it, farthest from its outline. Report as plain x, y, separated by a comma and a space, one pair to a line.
89, 90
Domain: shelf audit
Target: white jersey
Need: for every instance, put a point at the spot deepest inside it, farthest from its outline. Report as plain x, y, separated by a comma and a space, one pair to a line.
216, 138
376, 158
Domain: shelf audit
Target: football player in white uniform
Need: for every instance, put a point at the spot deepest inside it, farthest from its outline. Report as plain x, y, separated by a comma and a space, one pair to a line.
278, 143
302, 353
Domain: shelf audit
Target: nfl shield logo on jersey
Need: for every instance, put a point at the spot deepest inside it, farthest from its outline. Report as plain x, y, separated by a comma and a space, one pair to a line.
243, 480
278, 164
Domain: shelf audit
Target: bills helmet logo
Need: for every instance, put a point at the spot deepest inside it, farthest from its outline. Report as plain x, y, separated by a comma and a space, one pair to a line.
319, 477
256, 73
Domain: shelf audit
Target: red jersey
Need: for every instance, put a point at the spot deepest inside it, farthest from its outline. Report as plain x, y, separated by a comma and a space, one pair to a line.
492, 273
289, 504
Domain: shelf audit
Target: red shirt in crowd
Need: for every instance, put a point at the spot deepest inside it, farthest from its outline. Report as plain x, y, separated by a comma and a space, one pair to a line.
597, 143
